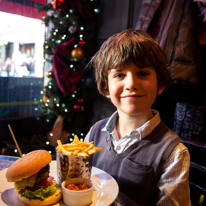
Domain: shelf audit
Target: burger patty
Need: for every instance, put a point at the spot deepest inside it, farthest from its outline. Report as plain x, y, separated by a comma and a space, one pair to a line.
43, 174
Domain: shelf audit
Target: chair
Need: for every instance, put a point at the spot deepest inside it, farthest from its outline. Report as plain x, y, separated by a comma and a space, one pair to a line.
197, 178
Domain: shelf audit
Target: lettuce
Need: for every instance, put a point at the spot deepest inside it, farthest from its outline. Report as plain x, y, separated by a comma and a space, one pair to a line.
42, 193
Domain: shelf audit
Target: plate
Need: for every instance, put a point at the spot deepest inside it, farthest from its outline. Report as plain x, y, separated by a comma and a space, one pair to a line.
105, 193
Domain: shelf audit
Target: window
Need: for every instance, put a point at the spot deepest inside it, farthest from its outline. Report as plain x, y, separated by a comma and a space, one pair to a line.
21, 58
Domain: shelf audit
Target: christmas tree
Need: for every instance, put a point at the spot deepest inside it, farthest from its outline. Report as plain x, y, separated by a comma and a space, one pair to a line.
68, 47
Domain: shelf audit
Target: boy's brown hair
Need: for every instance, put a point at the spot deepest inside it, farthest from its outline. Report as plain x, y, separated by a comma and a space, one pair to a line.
130, 45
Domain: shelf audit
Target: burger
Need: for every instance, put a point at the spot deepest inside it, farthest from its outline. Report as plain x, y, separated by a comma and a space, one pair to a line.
32, 182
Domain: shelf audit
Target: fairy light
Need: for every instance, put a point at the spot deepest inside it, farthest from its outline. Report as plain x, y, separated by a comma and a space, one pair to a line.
66, 110
71, 66
71, 139
47, 143
46, 105
54, 33
67, 15
41, 92
81, 28
73, 95
51, 134
57, 105
96, 10
50, 86
72, 134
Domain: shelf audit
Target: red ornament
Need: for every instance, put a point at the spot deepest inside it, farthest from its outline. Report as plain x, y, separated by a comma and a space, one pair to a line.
80, 101
59, 4
77, 107
81, 43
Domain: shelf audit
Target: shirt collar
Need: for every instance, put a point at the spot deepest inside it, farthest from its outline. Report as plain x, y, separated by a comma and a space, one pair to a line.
144, 130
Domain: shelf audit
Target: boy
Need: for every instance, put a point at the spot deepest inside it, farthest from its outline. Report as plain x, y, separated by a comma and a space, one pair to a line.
147, 159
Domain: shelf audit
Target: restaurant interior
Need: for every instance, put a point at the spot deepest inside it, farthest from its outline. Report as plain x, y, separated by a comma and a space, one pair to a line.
182, 107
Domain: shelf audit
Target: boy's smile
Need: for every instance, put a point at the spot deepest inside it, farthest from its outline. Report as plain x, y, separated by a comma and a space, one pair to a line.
133, 90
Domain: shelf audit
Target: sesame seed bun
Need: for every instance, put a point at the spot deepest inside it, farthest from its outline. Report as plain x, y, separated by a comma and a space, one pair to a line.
28, 165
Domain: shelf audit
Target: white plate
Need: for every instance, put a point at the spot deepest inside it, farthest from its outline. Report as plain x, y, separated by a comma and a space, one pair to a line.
106, 188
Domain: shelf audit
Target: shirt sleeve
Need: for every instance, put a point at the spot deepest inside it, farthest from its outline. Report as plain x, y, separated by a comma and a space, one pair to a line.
174, 182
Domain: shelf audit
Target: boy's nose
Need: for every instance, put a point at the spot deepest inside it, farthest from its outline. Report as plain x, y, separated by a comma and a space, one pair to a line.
132, 83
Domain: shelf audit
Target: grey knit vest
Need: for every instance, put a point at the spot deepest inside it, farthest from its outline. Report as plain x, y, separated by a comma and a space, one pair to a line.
137, 169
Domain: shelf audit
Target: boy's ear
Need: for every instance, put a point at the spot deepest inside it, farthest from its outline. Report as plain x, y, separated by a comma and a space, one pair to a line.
161, 89
107, 94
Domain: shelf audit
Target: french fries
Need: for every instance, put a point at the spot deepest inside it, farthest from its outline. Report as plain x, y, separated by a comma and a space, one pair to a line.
77, 148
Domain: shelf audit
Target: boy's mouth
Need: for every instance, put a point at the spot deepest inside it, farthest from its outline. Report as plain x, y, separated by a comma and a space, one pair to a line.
133, 96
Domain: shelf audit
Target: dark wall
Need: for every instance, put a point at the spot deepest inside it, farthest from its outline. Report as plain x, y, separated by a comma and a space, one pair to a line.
115, 16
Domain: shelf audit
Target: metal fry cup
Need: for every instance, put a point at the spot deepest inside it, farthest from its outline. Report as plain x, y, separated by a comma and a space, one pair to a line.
72, 167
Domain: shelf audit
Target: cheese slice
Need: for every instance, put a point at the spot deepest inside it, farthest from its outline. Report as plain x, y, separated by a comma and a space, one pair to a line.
27, 182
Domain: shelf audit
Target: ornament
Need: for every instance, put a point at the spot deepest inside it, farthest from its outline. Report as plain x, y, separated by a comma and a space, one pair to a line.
77, 54
49, 74
80, 101
81, 43
77, 107
59, 4
72, 29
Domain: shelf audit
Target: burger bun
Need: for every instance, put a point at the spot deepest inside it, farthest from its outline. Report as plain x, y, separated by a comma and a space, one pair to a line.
48, 201
28, 165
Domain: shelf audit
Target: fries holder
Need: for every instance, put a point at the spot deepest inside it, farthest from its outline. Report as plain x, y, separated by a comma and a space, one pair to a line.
72, 167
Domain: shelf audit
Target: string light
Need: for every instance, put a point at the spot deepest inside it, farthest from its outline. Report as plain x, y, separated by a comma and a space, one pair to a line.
47, 143
73, 95
57, 105
96, 10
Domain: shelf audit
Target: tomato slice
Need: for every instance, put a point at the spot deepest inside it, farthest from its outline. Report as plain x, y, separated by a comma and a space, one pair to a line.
41, 184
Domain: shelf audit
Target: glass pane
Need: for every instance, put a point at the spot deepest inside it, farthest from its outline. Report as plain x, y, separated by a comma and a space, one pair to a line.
24, 110
21, 65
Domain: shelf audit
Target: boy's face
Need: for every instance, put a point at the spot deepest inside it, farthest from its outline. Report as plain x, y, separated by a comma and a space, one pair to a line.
133, 90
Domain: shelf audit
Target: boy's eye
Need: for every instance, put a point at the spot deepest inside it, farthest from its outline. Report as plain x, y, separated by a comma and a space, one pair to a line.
119, 75
143, 73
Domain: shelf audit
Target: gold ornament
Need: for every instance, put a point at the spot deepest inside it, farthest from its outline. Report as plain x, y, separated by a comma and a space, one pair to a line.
49, 74
77, 54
